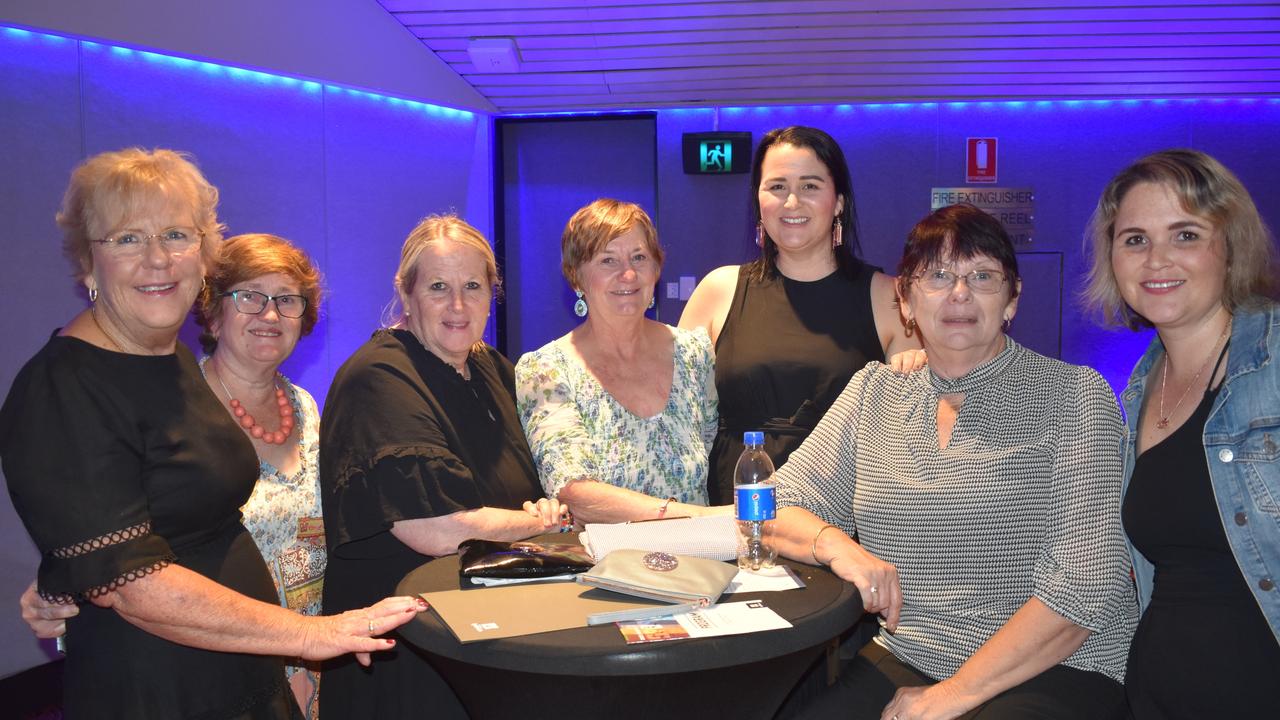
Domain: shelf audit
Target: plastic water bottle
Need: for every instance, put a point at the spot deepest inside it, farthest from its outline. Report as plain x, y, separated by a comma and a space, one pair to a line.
754, 504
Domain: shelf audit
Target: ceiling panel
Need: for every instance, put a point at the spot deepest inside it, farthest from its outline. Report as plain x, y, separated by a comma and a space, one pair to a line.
579, 54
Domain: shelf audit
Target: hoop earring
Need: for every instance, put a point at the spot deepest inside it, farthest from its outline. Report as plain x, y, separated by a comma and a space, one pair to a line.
837, 235
759, 234
93, 294
580, 307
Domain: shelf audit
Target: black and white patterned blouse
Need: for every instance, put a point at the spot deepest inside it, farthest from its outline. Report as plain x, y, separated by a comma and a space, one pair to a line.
1023, 502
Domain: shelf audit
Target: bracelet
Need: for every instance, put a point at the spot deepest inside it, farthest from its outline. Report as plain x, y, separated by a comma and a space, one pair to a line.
662, 511
813, 546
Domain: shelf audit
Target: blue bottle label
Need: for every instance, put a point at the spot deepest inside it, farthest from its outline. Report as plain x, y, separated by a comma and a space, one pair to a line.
756, 501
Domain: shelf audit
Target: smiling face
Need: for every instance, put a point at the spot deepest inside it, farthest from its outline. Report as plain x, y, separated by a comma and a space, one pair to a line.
960, 328
798, 200
448, 304
143, 301
1170, 265
619, 280
266, 339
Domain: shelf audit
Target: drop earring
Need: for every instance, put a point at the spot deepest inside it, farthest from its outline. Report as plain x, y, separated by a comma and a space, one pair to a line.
580, 307
759, 234
653, 300
837, 235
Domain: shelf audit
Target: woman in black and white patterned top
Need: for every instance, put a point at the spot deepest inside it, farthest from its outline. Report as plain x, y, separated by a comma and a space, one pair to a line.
984, 492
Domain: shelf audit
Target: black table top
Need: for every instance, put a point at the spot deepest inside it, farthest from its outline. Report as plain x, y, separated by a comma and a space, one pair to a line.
824, 608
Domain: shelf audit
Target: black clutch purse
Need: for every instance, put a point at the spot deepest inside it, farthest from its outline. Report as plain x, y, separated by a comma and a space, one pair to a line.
522, 559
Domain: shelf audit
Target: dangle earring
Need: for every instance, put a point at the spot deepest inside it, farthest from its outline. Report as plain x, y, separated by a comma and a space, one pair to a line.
911, 327
653, 300
837, 235
580, 307
759, 234
1008, 321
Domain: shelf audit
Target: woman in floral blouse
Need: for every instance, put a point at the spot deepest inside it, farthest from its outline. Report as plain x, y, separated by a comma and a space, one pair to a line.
620, 413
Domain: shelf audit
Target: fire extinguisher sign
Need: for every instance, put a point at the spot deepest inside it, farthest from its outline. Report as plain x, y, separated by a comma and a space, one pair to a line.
980, 160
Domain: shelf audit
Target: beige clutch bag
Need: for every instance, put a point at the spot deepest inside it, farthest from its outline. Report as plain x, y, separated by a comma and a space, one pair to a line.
661, 576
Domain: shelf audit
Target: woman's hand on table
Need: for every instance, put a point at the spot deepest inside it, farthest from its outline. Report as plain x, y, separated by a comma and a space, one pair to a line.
47, 620
357, 631
549, 511
930, 702
876, 580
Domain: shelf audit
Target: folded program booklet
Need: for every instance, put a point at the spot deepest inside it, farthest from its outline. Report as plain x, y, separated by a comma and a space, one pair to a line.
715, 537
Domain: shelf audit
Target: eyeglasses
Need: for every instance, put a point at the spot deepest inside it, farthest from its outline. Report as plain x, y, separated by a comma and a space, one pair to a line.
979, 281
252, 302
176, 241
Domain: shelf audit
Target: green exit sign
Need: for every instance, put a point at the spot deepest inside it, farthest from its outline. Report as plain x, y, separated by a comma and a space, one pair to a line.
716, 153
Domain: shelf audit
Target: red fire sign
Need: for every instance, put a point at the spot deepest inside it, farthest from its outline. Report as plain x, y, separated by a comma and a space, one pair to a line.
980, 160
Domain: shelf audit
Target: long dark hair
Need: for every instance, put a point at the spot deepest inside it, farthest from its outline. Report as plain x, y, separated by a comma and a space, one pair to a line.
848, 255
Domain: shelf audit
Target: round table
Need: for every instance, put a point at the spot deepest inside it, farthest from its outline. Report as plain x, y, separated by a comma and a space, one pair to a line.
591, 672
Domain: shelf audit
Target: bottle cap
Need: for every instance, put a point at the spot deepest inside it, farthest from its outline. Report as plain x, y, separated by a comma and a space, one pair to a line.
753, 437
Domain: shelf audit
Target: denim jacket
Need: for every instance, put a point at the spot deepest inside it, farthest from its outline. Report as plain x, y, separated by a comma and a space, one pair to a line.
1242, 448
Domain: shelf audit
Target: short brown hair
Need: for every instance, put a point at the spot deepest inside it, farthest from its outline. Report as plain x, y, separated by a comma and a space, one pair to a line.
1206, 188
433, 229
598, 224
957, 232
112, 188
245, 257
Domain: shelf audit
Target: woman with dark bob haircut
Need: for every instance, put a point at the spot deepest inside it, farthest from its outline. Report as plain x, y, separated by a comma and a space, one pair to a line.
782, 354
984, 495
1178, 245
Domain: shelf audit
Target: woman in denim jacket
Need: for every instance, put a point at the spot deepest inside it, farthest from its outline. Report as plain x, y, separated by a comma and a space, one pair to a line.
1179, 246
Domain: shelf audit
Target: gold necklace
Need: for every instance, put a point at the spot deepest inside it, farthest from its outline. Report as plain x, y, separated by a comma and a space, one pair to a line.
1163, 422
93, 313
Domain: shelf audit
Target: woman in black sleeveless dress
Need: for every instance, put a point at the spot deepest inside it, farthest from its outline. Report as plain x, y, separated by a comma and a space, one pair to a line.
791, 328
1180, 247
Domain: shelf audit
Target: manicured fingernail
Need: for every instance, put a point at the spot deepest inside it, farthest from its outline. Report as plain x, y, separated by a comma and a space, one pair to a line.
389, 642
422, 603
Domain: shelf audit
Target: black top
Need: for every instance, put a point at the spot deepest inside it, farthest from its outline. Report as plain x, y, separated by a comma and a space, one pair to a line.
786, 351
1203, 648
404, 436
119, 465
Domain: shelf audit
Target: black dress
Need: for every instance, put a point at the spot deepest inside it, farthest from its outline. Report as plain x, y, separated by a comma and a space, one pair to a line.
120, 465
786, 351
404, 436
1203, 648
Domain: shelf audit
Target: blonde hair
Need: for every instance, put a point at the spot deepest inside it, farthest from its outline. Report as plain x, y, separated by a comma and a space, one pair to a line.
245, 257
1206, 188
598, 224
113, 188
434, 229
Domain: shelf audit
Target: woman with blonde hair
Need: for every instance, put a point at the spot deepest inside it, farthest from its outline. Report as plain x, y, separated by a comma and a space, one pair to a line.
129, 474
1178, 246
421, 448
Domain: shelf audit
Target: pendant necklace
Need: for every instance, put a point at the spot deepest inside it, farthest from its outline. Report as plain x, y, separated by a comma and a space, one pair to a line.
1163, 422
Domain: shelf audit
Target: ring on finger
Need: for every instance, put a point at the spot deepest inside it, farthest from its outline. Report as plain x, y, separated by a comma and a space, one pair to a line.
371, 631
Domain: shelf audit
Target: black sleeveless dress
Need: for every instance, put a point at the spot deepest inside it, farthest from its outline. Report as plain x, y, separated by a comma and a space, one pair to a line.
1203, 648
786, 351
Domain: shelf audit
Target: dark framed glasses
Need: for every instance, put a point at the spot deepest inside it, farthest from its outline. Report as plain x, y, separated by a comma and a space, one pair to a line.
252, 302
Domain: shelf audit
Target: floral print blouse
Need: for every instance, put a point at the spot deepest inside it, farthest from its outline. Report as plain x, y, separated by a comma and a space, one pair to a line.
283, 515
576, 429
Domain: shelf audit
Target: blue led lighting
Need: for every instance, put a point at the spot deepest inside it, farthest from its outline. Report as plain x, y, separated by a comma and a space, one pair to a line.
239, 74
